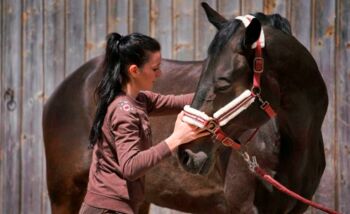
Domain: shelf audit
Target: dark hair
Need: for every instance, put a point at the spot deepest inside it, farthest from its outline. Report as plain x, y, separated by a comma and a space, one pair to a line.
121, 51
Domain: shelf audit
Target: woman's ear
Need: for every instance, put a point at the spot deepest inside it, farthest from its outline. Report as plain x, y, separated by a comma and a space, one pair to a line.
133, 70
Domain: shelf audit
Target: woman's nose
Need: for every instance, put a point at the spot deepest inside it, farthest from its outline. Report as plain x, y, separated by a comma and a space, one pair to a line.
158, 73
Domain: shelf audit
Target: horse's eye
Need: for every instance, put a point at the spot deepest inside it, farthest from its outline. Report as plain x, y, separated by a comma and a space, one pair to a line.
222, 85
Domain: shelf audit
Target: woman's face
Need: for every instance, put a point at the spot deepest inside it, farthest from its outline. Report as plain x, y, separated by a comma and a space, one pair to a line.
149, 72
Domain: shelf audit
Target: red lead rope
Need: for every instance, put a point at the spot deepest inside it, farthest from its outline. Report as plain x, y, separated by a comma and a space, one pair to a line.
262, 174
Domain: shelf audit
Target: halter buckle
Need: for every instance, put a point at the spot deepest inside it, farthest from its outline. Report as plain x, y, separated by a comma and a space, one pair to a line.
258, 65
264, 104
212, 126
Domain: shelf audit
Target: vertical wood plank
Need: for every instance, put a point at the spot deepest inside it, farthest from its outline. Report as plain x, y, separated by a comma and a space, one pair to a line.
183, 29
323, 49
96, 27
343, 105
301, 10
10, 147
162, 24
229, 8
118, 16
251, 6
276, 6
1, 94
140, 21
31, 139
75, 35
54, 64
2, 127
54, 49
204, 30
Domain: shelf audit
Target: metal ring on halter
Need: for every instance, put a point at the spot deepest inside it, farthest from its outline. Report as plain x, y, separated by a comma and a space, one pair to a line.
256, 91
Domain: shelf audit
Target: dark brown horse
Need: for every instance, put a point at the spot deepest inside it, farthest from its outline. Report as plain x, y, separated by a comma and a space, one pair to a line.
291, 83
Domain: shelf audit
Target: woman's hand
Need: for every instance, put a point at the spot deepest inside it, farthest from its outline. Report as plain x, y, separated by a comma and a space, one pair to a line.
184, 133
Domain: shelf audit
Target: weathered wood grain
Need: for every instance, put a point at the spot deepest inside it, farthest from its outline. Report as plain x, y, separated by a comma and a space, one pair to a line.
323, 49
204, 31
118, 16
183, 48
162, 25
229, 8
10, 146
140, 21
251, 6
343, 106
276, 6
32, 154
54, 49
54, 63
75, 38
96, 27
300, 20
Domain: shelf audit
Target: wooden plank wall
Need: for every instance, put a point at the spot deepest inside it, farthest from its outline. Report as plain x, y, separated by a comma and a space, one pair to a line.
43, 41
342, 105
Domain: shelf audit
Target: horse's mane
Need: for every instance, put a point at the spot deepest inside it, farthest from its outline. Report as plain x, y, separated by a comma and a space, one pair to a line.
230, 27
276, 21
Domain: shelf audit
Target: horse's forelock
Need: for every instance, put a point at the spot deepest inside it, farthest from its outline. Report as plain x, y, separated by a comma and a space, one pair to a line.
276, 21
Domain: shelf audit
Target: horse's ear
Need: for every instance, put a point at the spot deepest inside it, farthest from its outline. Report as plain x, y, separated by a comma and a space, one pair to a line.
252, 33
214, 17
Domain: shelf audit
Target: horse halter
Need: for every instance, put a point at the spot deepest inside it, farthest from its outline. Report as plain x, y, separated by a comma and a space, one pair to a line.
237, 105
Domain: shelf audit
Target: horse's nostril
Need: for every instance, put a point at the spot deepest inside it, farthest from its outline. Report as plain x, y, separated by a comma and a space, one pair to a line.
184, 157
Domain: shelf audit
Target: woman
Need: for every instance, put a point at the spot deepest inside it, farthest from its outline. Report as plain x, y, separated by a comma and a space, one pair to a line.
120, 135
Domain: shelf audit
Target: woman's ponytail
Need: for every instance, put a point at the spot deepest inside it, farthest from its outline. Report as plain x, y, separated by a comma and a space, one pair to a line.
109, 87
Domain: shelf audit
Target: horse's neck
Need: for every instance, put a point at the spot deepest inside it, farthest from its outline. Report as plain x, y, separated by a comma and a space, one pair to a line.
178, 77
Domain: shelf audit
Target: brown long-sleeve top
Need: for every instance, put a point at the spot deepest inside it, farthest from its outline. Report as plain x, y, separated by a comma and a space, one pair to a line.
119, 163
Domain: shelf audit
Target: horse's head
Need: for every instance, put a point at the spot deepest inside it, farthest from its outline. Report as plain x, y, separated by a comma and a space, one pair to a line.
227, 73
